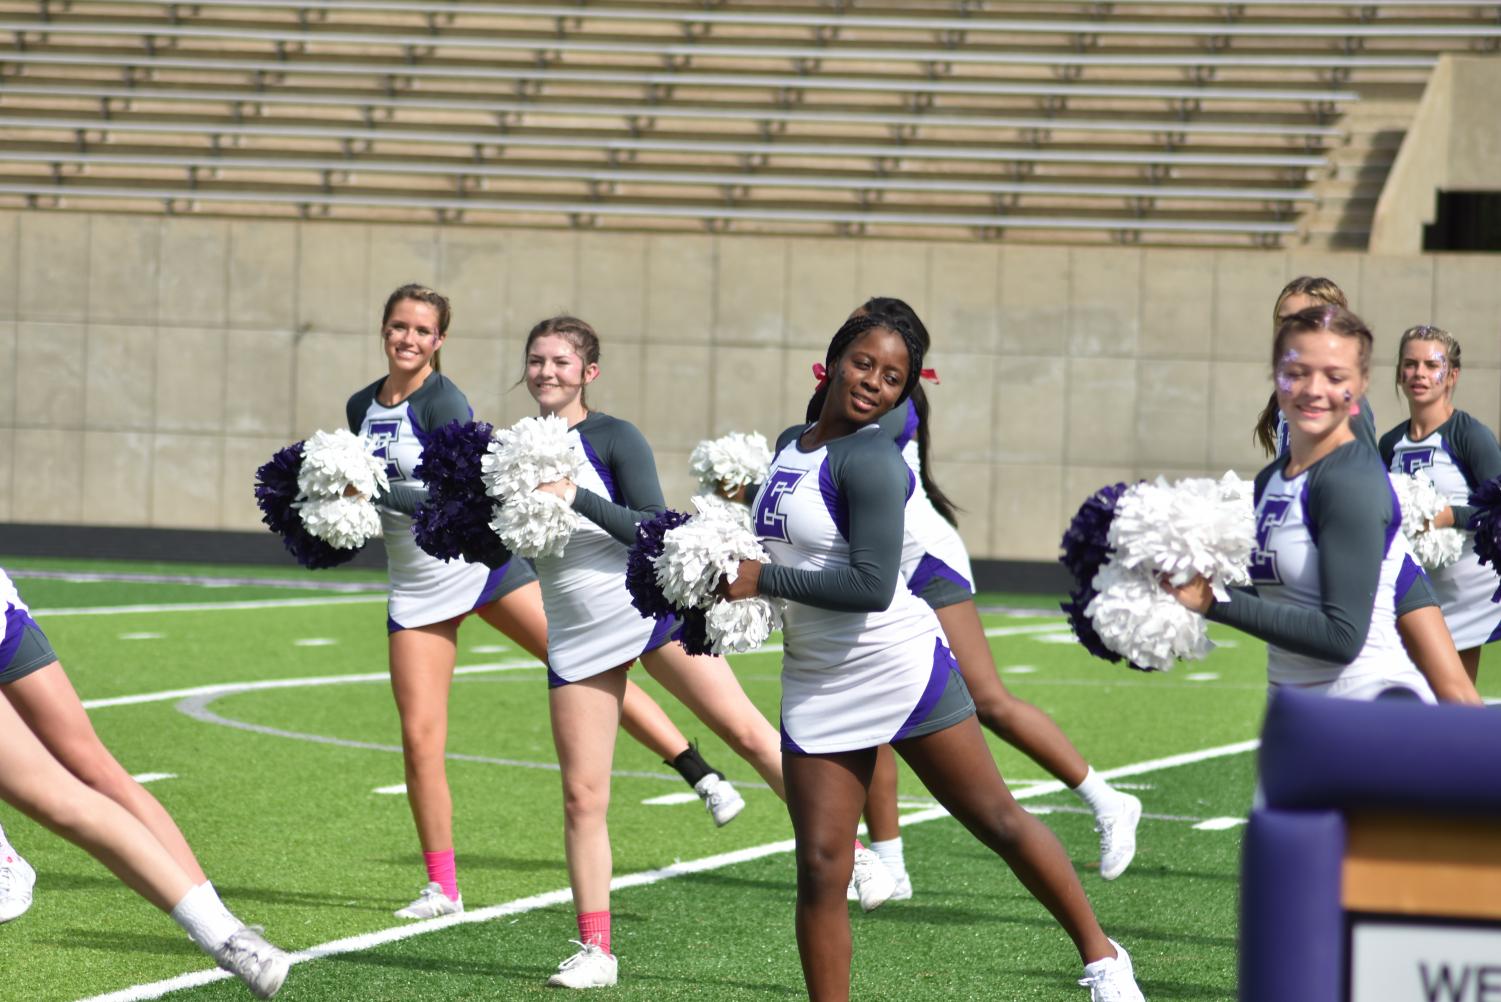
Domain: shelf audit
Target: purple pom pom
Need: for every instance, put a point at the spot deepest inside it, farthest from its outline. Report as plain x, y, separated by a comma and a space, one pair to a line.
275, 491
641, 573
454, 521
1085, 544
1078, 601
1486, 524
693, 632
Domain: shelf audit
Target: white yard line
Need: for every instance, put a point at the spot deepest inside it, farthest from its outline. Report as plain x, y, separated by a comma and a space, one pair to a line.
548, 899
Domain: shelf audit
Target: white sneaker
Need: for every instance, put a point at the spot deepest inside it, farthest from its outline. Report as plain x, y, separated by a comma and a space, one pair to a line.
17, 878
874, 884
723, 801
431, 903
1118, 836
254, 961
591, 967
1112, 979
903, 890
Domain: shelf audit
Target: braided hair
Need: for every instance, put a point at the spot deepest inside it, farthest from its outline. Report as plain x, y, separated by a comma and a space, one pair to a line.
847, 334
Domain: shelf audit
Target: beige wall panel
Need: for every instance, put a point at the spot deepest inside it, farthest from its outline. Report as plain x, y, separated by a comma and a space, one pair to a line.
750, 391
678, 484
1079, 482
968, 486
10, 271
124, 269
1467, 304
1479, 394
965, 284
750, 291
1238, 392
619, 388
242, 457
54, 266
330, 368
258, 382
1246, 284
187, 481
898, 269
191, 380
680, 289
1172, 412
542, 280
1031, 408
50, 362
1104, 301
7, 476
263, 272
47, 476
8, 339
798, 385
821, 291
612, 277
193, 279
1396, 293
962, 416
1342, 268
1177, 305
117, 478
1101, 421
675, 407
120, 382
397, 256
479, 367
1025, 511
333, 277
1034, 315
472, 274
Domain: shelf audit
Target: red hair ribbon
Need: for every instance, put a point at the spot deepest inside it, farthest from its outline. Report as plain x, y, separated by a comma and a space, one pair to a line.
931, 375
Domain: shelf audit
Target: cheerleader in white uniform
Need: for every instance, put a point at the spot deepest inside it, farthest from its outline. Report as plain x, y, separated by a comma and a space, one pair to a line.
935, 565
1330, 557
865, 664
430, 597
1458, 454
594, 634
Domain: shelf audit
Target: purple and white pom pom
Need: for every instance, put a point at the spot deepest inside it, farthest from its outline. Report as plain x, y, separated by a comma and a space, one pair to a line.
1143, 623
1193, 528
700, 552
742, 625
533, 451
333, 461
345, 523
1486, 525
535, 524
731, 461
1421, 503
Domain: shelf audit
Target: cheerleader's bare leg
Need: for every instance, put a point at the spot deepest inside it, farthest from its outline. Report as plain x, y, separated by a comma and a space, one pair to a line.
1429, 644
585, 722
422, 662
46, 701
956, 766
709, 689
825, 794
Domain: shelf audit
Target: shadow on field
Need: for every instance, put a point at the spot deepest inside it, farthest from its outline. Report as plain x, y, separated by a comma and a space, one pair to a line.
233, 894
169, 944
489, 861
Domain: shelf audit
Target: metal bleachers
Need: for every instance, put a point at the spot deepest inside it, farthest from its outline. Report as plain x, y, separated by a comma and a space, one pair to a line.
1158, 121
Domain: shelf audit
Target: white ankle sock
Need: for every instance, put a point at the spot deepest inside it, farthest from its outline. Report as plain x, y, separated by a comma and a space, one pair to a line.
1095, 792
890, 852
204, 918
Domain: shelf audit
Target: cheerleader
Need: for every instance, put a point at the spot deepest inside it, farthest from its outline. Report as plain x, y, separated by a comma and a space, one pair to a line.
935, 566
1330, 557
1458, 454
594, 634
865, 664
430, 597
54, 769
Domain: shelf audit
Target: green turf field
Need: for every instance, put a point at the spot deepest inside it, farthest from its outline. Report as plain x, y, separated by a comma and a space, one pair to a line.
279, 789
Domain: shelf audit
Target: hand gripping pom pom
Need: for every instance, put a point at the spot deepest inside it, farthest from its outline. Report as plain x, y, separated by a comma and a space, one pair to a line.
1136, 618
535, 525
731, 461
1193, 528
454, 521
334, 461
276, 494
1421, 502
1486, 524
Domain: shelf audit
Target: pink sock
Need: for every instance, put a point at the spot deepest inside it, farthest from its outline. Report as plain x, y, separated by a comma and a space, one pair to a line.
594, 927
440, 870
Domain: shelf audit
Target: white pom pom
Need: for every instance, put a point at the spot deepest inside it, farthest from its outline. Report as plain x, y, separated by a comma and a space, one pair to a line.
704, 549
536, 524
715, 508
534, 450
345, 523
333, 461
741, 626
1139, 620
731, 461
1196, 527
1421, 503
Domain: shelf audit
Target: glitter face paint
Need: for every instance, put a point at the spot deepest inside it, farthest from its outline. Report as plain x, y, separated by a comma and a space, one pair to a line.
1284, 382
1443, 365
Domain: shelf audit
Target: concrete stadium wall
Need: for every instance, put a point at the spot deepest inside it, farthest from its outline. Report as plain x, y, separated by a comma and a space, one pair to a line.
149, 364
